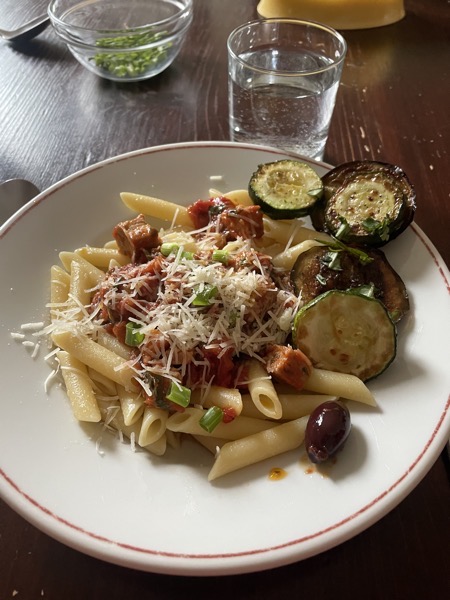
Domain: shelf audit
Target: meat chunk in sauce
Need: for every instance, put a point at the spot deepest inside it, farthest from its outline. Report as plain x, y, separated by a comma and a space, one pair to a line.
136, 238
232, 220
288, 365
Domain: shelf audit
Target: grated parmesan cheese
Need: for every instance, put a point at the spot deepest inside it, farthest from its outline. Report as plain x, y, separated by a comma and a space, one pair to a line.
248, 311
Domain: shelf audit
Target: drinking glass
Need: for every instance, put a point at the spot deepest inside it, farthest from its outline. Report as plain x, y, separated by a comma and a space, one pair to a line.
283, 77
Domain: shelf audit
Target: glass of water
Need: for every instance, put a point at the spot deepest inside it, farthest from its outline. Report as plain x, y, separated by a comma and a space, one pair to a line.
283, 78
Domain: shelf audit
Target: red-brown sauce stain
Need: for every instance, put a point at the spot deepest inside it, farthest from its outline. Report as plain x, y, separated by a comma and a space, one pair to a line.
276, 474
321, 469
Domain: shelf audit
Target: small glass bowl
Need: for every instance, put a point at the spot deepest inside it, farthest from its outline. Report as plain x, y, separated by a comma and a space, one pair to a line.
128, 40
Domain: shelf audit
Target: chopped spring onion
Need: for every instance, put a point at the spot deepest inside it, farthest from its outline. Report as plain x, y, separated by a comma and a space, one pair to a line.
204, 297
333, 260
364, 290
343, 230
169, 248
179, 394
133, 337
212, 417
338, 246
127, 62
221, 256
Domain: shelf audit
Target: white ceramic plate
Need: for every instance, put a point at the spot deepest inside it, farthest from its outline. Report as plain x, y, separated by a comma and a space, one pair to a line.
161, 514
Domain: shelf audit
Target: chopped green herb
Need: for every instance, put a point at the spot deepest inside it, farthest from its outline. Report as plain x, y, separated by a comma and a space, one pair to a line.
204, 297
221, 256
133, 337
212, 417
338, 246
179, 394
321, 279
168, 248
130, 63
380, 228
343, 230
333, 260
364, 290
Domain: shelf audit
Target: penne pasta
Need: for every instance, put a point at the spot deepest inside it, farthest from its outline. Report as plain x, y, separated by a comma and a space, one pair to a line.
80, 282
111, 343
287, 258
95, 356
157, 208
262, 391
291, 232
96, 275
339, 384
113, 418
238, 197
101, 257
79, 388
199, 314
153, 425
188, 422
259, 446
104, 384
131, 404
173, 439
224, 398
59, 285
293, 405
213, 444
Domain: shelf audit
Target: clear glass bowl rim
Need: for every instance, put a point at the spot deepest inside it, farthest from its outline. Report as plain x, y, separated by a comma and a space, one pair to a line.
61, 24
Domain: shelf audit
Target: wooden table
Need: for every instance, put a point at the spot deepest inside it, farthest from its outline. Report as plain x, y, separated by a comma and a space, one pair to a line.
56, 118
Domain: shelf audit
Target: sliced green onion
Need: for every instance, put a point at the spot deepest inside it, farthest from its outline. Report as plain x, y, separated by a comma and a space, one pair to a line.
343, 230
130, 63
337, 246
367, 290
204, 297
221, 256
333, 260
133, 337
212, 417
179, 394
168, 248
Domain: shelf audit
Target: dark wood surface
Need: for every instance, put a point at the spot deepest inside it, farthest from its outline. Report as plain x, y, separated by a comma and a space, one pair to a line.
393, 105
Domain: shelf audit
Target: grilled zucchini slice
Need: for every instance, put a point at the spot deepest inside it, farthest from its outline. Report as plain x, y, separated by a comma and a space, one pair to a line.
346, 332
365, 202
322, 268
285, 189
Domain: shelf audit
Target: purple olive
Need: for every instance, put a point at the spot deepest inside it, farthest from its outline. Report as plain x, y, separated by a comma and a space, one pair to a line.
327, 429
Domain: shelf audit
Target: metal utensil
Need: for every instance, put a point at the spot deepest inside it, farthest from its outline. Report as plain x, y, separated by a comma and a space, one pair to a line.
14, 193
27, 31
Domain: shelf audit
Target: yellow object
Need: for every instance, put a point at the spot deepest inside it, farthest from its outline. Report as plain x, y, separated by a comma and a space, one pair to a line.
340, 14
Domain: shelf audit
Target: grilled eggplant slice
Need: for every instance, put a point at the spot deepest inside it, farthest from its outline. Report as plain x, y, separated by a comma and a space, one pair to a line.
346, 332
285, 189
365, 202
323, 268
